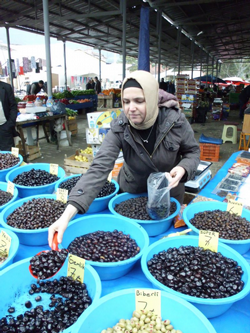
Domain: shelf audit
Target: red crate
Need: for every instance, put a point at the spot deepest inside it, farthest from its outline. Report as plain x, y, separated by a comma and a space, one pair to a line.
209, 152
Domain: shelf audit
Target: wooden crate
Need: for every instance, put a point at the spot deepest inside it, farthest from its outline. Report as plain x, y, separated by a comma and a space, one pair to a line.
72, 126
73, 166
209, 152
32, 151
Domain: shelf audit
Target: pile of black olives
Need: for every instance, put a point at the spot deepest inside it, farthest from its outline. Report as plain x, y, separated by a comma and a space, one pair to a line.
136, 208
5, 197
107, 189
229, 226
48, 263
66, 309
8, 160
36, 214
104, 246
197, 272
35, 177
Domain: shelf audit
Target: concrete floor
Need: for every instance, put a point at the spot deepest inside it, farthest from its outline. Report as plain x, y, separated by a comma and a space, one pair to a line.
211, 128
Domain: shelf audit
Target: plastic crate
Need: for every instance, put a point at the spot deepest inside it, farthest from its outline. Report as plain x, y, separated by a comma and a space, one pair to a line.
209, 152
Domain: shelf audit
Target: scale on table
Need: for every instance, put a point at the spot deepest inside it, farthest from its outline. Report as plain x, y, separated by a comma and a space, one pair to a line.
201, 178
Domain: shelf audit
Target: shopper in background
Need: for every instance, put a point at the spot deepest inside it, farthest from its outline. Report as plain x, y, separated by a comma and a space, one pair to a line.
243, 99
35, 88
154, 136
8, 114
89, 85
171, 87
163, 85
97, 85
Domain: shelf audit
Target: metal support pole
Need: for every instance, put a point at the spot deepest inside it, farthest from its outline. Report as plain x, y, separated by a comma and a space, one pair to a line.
200, 65
9, 55
65, 66
47, 45
192, 57
212, 66
207, 67
100, 64
155, 70
179, 49
123, 5
159, 22
217, 62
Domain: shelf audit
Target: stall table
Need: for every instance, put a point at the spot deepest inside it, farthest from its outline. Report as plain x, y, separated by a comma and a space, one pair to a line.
41, 121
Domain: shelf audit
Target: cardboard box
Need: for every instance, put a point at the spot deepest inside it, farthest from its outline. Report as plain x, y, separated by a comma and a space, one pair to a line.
102, 119
96, 135
188, 98
95, 149
72, 126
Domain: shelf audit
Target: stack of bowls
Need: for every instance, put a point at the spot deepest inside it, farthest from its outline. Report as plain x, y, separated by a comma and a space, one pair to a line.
4, 172
99, 204
153, 227
241, 246
26, 191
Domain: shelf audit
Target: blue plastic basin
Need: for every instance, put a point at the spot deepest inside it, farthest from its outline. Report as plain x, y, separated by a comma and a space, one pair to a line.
27, 191
241, 246
16, 281
209, 307
26, 236
3, 187
88, 224
108, 310
4, 172
99, 204
13, 248
153, 227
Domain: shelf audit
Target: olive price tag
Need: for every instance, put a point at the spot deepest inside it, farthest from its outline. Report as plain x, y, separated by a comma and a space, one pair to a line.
53, 169
234, 207
208, 240
5, 242
110, 176
76, 267
10, 187
62, 195
148, 299
15, 151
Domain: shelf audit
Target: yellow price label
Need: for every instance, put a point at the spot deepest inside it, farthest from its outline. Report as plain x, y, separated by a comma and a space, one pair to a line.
53, 169
15, 151
5, 242
62, 195
208, 240
10, 187
234, 207
76, 267
110, 176
148, 299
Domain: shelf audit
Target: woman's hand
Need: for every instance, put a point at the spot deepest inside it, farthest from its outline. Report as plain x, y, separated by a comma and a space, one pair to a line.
176, 175
61, 224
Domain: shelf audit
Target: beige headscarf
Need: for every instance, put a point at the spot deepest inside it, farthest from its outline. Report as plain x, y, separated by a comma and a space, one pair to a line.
150, 90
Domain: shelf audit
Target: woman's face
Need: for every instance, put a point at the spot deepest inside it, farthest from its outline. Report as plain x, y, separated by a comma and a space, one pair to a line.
134, 105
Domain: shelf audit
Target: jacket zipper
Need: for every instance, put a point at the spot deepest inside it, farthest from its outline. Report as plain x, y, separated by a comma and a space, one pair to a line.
163, 138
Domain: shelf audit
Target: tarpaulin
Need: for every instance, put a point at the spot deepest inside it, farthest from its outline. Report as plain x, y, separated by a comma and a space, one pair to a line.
143, 56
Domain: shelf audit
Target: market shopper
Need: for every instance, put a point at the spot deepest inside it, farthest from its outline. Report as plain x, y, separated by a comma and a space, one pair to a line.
8, 114
97, 85
154, 136
36, 87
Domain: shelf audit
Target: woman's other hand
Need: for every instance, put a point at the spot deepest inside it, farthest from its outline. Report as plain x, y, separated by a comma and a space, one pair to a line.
175, 176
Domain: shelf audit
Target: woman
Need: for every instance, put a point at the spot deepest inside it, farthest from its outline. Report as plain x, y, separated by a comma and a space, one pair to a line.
152, 140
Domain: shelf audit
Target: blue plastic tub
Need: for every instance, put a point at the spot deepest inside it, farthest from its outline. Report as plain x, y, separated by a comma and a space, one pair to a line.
4, 172
27, 191
88, 224
121, 304
16, 281
99, 204
209, 307
241, 246
3, 187
27, 237
13, 248
153, 227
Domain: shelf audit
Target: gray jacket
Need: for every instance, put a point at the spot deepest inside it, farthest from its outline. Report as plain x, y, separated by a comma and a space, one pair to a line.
175, 145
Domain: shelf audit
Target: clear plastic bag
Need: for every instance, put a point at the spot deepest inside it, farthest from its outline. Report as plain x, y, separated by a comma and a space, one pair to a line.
158, 206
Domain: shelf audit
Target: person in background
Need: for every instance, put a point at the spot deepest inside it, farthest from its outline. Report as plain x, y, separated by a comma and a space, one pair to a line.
162, 85
35, 88
92, 83
171, 88
154, 136
243, 99
8, 114
97, 85
89, 85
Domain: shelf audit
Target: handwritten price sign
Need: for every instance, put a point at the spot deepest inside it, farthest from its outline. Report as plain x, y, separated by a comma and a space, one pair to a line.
15, 151
148, 299
53, 169
5, 242
10, 187
76, 267
208, 240
234, 207
62, 195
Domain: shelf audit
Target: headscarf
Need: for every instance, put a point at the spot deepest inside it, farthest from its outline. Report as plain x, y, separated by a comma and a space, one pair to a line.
150, 89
